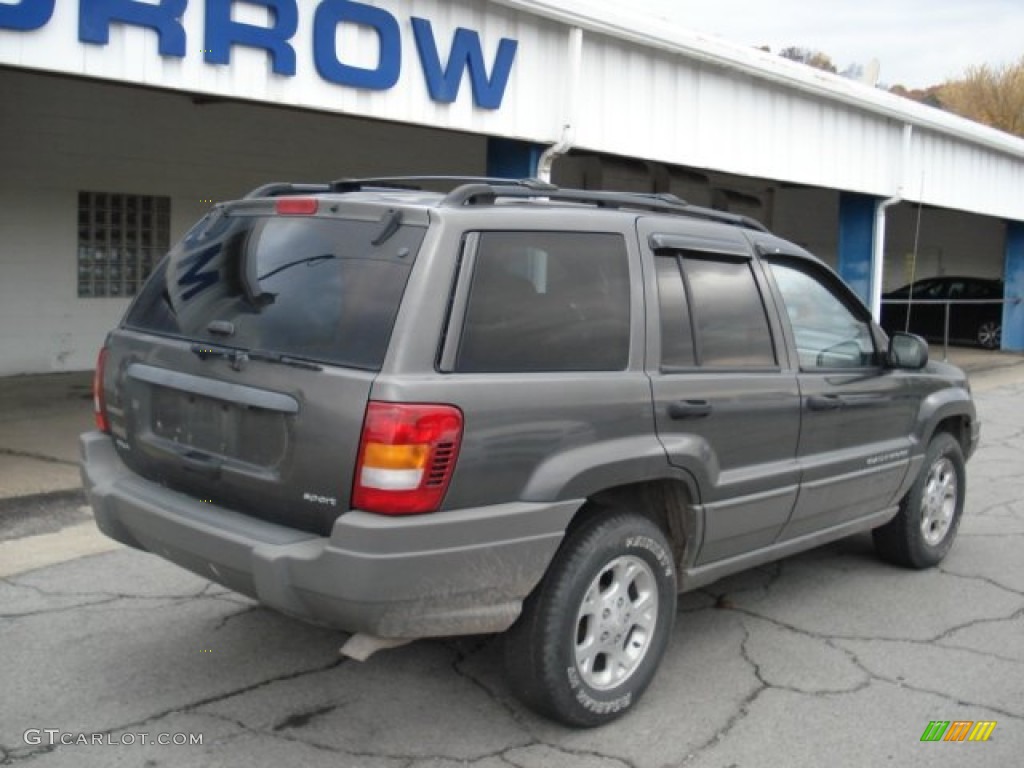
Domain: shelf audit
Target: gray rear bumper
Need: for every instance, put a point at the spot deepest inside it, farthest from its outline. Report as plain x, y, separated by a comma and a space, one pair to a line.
448, 573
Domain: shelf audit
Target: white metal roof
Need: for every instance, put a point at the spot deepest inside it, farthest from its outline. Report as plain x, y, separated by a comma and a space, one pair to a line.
662, 92
661, 35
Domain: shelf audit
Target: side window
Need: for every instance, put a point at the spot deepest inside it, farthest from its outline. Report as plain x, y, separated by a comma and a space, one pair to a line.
930, 289
547, 301
677, 346
829, 334
712, 314
979, 290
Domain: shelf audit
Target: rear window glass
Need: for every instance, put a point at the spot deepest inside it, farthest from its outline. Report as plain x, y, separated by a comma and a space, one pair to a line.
311, 288
547, 301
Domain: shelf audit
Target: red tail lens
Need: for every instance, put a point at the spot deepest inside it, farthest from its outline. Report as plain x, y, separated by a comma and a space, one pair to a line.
407, 455
99, 400
297, 206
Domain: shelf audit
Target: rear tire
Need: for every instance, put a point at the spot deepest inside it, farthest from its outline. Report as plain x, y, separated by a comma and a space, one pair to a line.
924, 529
592, 634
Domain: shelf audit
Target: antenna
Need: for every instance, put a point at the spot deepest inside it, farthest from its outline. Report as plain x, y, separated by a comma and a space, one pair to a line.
913, 263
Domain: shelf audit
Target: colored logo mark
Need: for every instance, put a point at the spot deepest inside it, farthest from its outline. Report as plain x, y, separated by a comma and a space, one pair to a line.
958, 730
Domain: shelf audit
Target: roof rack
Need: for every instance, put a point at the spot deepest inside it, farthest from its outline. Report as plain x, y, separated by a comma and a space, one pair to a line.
483, 190
408, 183
416, 182
488, 193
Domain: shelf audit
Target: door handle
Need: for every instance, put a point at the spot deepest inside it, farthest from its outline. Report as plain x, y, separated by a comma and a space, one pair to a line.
863, 401
689, 409
834, 402
824, 403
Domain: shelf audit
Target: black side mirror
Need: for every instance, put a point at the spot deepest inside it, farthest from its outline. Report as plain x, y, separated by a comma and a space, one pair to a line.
908, 351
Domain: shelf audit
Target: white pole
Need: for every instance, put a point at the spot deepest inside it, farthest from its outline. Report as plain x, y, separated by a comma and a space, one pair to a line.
878, 250
565, 140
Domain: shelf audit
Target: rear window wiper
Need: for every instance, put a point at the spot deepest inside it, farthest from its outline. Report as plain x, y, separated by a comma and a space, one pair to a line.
277, 357
206, 351
236, 357
239, 357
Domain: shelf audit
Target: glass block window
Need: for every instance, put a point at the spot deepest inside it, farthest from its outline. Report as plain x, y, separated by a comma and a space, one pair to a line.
120, 239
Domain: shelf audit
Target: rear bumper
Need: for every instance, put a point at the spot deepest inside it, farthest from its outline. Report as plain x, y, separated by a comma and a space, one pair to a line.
449, 573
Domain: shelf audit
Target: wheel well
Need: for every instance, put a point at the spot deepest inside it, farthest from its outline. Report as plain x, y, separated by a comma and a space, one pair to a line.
666, 503
957, 427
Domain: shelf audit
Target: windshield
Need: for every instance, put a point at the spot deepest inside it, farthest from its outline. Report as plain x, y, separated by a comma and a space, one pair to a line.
307, 287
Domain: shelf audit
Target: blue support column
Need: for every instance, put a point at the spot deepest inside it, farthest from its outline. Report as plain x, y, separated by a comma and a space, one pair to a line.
856, 236
1013, 314
512, 159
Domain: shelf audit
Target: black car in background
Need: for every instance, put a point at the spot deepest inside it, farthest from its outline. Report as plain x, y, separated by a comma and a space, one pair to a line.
980, 324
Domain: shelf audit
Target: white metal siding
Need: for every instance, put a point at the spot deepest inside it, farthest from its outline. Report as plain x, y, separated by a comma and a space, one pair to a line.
680, 111
954, 173
531, 103
667, 94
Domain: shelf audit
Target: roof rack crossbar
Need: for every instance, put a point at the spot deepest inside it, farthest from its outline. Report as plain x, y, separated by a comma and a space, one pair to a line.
487, 194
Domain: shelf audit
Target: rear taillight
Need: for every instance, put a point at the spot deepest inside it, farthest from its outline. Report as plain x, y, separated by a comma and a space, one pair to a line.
407, 455
296, 206
99, 400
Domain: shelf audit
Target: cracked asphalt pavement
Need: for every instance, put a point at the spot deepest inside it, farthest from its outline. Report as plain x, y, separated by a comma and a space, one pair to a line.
827, 658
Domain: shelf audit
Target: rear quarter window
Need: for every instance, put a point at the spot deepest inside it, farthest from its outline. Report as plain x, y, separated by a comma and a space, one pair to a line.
547, 301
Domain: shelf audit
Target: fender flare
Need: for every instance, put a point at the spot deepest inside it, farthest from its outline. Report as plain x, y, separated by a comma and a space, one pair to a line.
586, 470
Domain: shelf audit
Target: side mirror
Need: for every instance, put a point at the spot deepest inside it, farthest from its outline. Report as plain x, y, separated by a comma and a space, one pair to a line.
908, 351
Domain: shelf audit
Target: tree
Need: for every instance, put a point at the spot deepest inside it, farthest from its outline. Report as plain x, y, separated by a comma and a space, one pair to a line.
993, 95
815, 59
928, 96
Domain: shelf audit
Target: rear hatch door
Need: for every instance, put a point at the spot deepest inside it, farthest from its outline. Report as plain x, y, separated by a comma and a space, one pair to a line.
241, 373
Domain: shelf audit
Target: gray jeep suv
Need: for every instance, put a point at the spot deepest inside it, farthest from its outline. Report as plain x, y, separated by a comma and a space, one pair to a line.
511, 408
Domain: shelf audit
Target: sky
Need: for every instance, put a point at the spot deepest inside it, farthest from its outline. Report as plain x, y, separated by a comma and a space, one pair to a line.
917, 42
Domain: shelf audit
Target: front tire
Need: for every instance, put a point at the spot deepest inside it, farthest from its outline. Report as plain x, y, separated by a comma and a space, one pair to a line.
592, 634
924, 529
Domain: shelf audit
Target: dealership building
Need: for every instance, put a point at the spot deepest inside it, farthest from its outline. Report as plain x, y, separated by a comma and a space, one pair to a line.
122, 121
